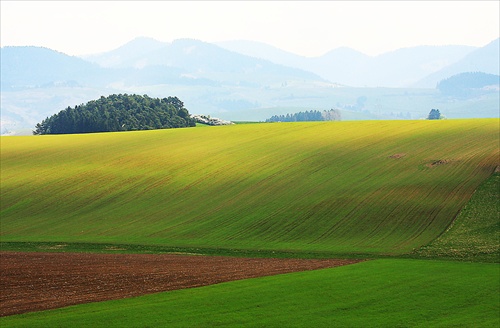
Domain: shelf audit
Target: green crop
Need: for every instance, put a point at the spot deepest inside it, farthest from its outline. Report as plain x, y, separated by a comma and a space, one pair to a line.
290, 190
374, 187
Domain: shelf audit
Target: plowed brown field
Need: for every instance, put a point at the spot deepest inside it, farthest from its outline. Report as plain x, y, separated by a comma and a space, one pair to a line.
42, 281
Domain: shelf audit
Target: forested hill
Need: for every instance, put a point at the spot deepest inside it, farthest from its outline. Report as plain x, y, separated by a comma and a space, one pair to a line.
118, 113
469, 84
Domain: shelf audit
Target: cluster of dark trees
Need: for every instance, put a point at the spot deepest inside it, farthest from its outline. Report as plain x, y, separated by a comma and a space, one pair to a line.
434, 114
468, 84
120, 112
312, 115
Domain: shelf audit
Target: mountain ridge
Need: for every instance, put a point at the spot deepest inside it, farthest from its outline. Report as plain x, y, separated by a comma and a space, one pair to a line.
484, 59
421, 66
350, 67
193, 56
37, 82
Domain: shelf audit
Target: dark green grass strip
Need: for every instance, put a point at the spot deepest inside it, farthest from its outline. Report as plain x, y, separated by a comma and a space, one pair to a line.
475, 234
117, 248
379, 293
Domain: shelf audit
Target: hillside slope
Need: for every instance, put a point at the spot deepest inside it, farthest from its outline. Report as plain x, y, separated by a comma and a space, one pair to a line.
475, 234
345, 187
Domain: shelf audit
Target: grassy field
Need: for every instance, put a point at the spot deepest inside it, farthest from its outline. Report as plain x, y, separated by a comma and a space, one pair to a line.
345, 189
379, 293
475, 234
374, 187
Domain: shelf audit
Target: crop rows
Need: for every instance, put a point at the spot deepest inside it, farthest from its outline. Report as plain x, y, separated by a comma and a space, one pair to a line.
348, 187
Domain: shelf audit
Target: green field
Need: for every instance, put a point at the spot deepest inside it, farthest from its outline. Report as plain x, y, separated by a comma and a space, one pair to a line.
379, 293
328, 189
475, 234
374, 187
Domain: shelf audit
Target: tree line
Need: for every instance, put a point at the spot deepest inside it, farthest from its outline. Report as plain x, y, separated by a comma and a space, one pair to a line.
312, 115
120, 112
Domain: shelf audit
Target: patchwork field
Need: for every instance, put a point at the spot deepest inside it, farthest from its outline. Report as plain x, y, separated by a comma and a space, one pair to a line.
40, 281
378, 189
379, 293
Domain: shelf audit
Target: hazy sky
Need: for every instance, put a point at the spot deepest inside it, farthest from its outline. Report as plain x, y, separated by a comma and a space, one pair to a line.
308, 28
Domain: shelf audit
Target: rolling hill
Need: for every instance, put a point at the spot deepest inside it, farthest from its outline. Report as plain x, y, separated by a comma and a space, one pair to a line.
379, 187
349, 189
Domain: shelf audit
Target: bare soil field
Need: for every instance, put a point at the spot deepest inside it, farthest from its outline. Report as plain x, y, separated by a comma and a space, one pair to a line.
41, 281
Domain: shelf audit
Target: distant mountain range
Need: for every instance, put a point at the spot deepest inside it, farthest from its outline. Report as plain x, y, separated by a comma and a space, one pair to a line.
242, 80
200, 60
144, 62
485, 59
421, 66
25, 67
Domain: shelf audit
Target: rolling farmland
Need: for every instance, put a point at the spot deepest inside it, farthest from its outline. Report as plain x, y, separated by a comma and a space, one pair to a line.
330, 189
375, 187
379, 293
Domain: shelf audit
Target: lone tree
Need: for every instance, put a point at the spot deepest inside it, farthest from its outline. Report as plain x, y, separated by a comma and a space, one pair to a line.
434, 114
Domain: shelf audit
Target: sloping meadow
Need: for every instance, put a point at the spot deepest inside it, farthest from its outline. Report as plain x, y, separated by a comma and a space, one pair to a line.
374, 187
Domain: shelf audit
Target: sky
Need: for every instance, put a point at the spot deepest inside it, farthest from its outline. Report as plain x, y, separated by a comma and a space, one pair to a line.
307, 28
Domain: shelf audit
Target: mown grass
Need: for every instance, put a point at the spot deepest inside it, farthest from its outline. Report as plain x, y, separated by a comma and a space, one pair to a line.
337, 187
379, 293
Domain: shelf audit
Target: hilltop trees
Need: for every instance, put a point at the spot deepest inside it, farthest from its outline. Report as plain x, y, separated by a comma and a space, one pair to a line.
434, 114
118, 113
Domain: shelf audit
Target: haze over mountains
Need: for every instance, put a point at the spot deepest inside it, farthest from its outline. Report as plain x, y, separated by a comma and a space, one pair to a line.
407, 67
421, 66
243, 80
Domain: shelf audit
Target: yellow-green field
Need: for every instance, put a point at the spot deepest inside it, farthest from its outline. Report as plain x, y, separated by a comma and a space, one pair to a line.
374, 187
